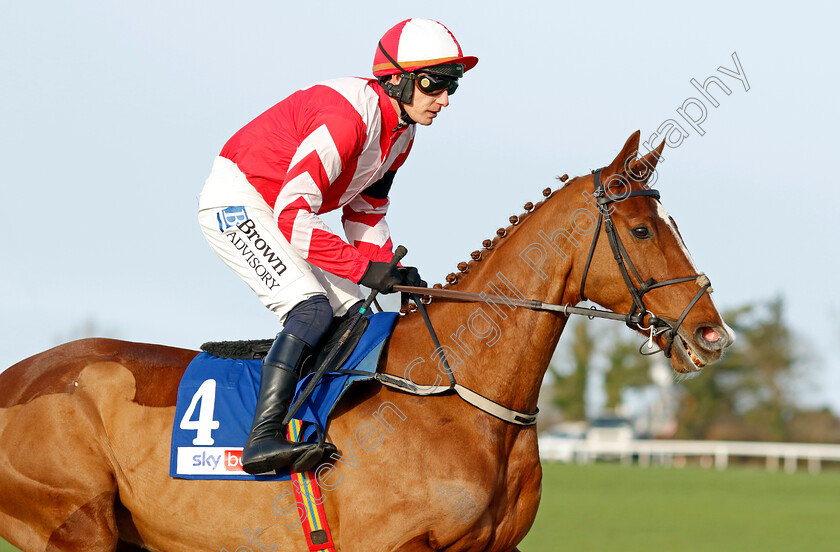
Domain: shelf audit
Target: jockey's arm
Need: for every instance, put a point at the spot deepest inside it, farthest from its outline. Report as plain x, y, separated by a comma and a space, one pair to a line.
316, 165
364, 221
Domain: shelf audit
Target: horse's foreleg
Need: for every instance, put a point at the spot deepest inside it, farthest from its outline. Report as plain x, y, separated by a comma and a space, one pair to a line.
414, 547
422, 547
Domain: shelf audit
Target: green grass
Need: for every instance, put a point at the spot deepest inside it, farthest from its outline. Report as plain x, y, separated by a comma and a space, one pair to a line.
609, 507
606, 507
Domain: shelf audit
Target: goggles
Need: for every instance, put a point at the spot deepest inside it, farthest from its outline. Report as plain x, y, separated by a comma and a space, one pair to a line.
434, 84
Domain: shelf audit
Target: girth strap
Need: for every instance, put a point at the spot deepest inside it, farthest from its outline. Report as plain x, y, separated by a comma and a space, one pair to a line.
468, 395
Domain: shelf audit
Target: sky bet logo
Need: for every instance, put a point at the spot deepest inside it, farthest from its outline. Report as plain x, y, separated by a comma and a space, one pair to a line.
209, 460
233, 461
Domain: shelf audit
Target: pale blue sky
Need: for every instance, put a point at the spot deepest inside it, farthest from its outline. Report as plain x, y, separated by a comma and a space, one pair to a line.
111, 114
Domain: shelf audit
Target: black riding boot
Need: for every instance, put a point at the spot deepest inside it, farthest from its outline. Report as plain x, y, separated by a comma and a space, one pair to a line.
267, 448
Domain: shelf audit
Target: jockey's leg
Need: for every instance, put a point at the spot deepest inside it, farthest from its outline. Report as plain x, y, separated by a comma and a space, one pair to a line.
242, 230
309, 320
267, 448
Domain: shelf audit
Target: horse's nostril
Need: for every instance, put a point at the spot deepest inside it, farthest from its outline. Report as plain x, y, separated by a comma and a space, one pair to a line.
710, 335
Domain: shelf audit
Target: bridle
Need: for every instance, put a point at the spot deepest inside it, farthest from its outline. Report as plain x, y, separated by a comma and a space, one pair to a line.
638, 311
634, 319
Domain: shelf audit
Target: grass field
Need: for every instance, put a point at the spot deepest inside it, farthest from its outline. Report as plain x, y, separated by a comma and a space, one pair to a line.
605, 507
609, 507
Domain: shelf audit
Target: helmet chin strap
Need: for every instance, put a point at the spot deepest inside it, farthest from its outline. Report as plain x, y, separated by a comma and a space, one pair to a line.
405, 118
402, 92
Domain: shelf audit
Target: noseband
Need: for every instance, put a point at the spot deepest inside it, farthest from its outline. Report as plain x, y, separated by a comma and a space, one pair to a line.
638, 311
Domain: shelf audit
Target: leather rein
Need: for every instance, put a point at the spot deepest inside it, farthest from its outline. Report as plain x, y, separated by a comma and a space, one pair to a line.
633, 319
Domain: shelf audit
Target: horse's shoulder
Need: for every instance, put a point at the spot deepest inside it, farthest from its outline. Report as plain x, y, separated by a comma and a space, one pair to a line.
157, 369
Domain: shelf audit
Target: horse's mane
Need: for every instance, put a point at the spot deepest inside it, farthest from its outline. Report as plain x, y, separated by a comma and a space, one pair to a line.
489, 245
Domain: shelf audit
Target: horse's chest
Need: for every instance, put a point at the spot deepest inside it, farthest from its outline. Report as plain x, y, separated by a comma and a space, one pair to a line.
495, 508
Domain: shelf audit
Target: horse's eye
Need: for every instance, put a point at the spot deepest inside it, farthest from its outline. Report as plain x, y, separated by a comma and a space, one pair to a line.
641, 232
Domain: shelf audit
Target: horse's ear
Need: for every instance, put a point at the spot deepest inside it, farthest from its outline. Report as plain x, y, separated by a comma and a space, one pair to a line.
627, 156
642, 168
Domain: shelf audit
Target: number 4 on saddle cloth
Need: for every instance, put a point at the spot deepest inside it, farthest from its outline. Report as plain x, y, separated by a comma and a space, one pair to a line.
217, 397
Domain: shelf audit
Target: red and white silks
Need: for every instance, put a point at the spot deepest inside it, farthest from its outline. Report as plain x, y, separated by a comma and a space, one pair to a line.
314, 152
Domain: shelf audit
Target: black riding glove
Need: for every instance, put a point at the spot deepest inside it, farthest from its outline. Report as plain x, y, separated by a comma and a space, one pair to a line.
381, 277
410, 277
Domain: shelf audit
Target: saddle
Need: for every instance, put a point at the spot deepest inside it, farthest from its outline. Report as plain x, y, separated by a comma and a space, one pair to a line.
218, 392
257, 348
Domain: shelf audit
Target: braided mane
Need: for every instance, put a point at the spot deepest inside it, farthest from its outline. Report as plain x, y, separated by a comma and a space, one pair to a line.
488, 245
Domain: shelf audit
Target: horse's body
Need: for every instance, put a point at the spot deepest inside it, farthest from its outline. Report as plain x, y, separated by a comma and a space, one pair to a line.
84, 427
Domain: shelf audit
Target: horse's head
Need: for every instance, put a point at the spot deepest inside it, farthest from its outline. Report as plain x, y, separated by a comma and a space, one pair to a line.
638, 263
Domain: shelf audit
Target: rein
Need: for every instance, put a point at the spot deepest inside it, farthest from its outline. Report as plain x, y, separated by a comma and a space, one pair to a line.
633, 319
468, 395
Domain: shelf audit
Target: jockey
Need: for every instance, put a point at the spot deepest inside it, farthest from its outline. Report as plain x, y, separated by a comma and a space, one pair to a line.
334, 145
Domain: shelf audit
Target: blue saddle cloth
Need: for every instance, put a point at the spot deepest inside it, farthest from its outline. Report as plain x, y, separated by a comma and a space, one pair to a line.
217, 398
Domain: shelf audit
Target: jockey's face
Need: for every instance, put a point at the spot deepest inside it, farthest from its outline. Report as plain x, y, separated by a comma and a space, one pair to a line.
423, 107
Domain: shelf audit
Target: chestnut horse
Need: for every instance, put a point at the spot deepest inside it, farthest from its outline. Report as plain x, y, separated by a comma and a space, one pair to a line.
85, 426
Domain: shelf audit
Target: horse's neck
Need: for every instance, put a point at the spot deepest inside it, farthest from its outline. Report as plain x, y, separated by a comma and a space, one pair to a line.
499, 351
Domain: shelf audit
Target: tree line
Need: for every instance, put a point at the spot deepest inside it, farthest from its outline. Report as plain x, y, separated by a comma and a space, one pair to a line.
757, 392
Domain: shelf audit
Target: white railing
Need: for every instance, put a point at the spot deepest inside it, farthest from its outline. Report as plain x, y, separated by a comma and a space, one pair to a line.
670, 452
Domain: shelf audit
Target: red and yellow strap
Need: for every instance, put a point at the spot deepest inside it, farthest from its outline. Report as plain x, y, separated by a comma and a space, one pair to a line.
308, 494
